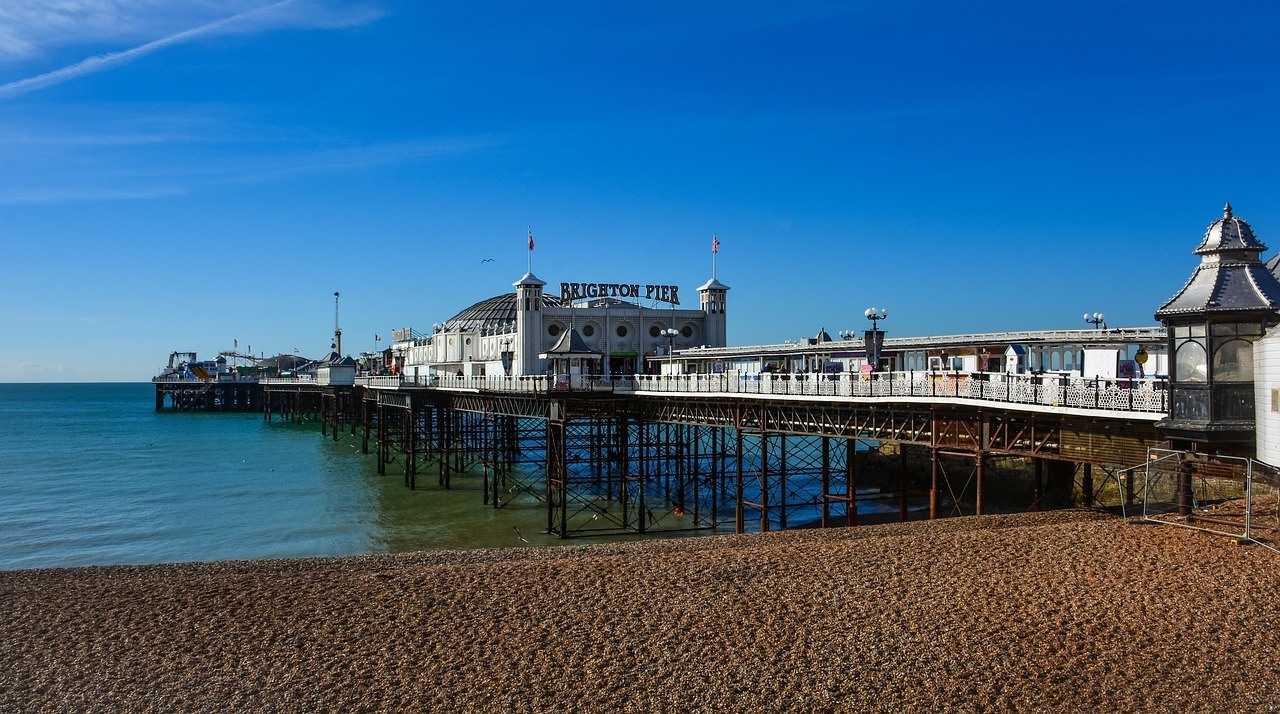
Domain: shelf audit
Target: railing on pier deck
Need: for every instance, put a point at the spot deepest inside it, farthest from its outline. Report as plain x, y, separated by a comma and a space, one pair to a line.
1144, 396
300, 379
531, 384
220, 379
1050, 390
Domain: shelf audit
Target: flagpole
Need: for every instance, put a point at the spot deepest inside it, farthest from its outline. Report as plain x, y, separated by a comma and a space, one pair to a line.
530, 270
715, 252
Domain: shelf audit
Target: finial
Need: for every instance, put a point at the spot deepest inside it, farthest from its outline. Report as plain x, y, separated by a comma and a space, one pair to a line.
1226, 210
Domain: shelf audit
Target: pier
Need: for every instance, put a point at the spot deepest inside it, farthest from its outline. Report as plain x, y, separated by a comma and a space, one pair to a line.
620, 418
757, 452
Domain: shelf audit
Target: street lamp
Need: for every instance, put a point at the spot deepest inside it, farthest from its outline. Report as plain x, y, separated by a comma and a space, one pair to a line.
1096, 319
848, 334
874, 339
670, 333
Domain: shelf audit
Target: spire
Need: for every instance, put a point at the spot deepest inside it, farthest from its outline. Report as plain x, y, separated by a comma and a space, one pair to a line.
1226, 210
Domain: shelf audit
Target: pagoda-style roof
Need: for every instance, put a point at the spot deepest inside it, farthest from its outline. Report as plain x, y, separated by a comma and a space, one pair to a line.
1231, 277
333, 359
1229, 233
570, 344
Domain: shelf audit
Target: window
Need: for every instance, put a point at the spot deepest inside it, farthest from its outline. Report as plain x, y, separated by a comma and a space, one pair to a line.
1233, 362
553, 330
588, 330
654, 331
622, 330
1190, 364
687, 331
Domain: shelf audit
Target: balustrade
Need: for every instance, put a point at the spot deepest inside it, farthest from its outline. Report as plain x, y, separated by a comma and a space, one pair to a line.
1049, 390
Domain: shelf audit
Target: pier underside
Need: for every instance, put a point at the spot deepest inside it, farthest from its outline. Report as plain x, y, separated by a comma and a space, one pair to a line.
602, 463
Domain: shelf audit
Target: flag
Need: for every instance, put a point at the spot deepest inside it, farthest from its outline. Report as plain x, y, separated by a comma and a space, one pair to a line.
530, 239
715, 243
237, 344
377, 338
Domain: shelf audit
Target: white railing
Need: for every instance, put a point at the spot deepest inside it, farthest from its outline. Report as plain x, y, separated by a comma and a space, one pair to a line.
299, 379
222, 378
388, 380
523, 384
1051, 390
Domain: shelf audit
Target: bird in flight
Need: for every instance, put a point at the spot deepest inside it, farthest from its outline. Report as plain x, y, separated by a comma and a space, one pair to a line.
487, 260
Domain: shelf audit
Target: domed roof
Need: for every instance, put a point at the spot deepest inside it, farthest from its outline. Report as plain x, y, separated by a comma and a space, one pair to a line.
496, 313
1231, 278
1229, 233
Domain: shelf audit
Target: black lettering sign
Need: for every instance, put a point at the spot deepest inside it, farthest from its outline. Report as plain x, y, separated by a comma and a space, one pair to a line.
657, 293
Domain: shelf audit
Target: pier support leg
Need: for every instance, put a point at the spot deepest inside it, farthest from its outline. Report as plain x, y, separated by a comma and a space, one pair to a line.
826, 482
1037, 484
902, 482
934, 494
739, 509
1086, 486
1185, 496
980, 486
851, 481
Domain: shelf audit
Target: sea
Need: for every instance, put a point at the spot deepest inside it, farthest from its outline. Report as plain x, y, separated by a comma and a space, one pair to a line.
92, 474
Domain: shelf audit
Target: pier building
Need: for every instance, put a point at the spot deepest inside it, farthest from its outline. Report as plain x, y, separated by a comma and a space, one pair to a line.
613, 327
664, 426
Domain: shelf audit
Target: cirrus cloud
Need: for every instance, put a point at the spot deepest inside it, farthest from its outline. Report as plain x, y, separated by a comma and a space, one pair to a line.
29, 28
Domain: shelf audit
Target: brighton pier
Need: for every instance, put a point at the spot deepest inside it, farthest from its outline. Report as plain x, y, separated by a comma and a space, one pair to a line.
618, 418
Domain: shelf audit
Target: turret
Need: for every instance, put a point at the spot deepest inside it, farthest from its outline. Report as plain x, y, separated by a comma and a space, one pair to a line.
1230, 300
714, 294
528, 324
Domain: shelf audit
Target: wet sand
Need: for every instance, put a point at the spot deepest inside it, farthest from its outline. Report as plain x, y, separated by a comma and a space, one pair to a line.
1065, 611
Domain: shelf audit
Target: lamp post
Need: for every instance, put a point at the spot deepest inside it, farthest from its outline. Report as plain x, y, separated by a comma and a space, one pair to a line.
670, 333
1096, 319
873, 337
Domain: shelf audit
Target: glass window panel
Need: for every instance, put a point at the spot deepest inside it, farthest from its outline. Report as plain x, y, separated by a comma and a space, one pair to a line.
1197, 330
1182, 331
1233, 362
1190, 365
1222, 329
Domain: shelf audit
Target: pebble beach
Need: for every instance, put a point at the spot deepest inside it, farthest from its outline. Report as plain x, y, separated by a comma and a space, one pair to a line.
1058, 611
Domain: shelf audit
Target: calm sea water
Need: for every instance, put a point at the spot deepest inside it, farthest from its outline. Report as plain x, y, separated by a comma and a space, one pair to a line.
91, 474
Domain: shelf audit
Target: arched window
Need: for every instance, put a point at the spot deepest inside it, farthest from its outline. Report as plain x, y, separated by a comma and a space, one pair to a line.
1233, 361
1190, 364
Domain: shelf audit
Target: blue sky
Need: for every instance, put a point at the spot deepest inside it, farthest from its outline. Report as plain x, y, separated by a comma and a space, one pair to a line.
176, 176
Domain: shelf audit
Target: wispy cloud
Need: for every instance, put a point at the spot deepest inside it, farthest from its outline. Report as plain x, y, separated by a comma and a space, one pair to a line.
38, 196
282, 13
166, 179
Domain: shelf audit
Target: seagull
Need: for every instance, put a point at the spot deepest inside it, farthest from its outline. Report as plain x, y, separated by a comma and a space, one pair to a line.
487, 260
519, 535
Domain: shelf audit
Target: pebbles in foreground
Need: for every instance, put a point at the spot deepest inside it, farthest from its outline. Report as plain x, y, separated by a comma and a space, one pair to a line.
1055, 611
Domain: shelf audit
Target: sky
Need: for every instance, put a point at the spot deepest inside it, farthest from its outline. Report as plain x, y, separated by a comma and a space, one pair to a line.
196, 175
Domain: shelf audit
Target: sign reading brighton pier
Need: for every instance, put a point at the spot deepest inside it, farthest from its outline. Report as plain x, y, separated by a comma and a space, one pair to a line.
660, 293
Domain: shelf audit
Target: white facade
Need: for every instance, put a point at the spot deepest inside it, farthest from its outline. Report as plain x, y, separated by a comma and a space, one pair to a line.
1266, 396
506, 335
